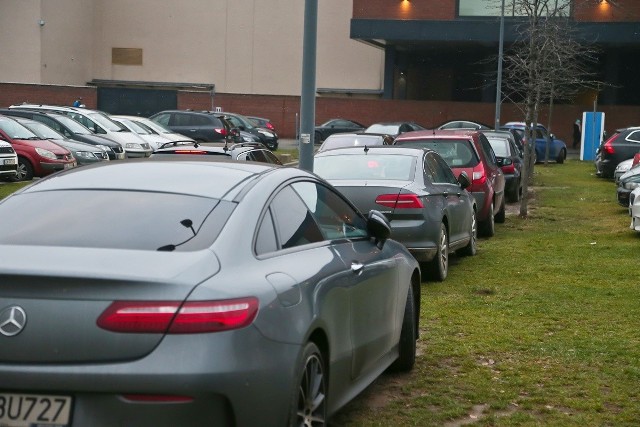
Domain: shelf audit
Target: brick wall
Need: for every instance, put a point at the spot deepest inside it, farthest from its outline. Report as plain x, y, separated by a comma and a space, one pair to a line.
282, 110
443, 10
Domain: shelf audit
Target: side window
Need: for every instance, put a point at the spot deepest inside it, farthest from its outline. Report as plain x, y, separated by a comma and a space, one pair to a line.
336, 218
163, 119
272, 158
295, 224
257, 156
444, 172
634, 136
487, 150
181, 120
429, 169
199, 121
266, 238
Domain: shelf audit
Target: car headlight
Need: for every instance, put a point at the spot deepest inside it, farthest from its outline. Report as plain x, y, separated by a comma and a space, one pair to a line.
265, 133
631, 185
84, 155
247, 138
45, 153
132, 145
105, 148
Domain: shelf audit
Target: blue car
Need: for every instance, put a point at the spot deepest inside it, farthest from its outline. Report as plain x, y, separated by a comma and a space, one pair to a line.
557, 148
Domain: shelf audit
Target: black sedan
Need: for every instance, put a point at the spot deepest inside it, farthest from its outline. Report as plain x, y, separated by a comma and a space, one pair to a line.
229, 294
430, 211
622, 145
267, 137
333, 126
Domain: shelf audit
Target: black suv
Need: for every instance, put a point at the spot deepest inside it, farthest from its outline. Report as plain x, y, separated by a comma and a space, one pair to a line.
622, 145
202, 126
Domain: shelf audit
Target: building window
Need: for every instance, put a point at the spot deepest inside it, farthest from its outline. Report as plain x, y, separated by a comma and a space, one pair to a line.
511, 8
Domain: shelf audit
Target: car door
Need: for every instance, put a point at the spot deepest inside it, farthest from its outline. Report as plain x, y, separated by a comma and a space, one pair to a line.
456, 204
373, 289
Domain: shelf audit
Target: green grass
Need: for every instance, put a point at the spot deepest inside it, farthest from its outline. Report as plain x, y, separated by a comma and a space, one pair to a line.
542, 327
7, 188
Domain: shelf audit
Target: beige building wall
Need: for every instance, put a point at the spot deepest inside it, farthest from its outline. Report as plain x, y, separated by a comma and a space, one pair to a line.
241, 46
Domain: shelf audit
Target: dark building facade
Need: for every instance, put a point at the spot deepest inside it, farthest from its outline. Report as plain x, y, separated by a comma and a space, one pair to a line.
446, 50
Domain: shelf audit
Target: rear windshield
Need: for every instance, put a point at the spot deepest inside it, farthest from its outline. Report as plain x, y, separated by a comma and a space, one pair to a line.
90, 219
363, 166
458, 153
500, 146
339, 141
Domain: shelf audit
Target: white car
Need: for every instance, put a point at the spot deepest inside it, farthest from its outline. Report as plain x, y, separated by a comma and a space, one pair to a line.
155, 141
622, 168
100, 123
634, 209
8, 160
159, 129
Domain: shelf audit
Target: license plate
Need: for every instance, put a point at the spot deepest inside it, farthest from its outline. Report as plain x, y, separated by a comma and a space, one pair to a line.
24, 410
120, 156
9, 161
70, 165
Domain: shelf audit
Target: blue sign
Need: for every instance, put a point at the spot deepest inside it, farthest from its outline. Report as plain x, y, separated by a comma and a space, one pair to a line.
592, 132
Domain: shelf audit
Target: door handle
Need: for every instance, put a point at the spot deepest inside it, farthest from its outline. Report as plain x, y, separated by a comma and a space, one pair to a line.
357, 267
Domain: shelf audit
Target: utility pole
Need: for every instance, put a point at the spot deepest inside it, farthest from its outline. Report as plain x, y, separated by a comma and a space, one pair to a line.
499, 80
308, 94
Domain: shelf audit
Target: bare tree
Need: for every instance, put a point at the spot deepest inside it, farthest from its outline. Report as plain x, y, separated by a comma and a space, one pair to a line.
545, 63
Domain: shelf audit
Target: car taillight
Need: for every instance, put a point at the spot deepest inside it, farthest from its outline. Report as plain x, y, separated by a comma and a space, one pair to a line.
478, 177
270, 126
608, 147
221, 131
508, 166
400, 201
173, 317
636, 159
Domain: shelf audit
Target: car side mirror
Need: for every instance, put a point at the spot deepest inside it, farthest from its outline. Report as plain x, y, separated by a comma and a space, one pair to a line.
500, 161
463, 180
552, 136
379, 227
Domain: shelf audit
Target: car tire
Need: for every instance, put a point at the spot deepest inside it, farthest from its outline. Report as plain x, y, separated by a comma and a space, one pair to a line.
488, 226
309, 401
500, 216
24, 171
407, 345
438, 267
515, 195
561, 156
472, 247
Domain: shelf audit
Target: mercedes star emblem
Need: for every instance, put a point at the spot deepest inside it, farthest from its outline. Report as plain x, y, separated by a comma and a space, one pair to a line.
12, 321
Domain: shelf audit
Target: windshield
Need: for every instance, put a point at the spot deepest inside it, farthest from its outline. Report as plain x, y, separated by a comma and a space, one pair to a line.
16, 130
458, 153
238, 120
133, 126
338, 141
106, 122
42, 130
380, 128
80, 221
365, 166
74, 126
155, 126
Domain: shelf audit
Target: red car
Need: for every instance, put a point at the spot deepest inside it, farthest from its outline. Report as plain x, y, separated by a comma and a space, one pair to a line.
469, 151
36, 157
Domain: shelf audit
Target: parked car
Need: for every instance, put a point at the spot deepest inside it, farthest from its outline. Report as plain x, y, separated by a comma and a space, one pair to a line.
470, 152
464, 124
235, 135
264, 298
622, 145
8, 161
510, 160
36, 157
158, 129
153, 139
628, 182
557, 147
267, 137
430, 211
622, 168
84, 154
251, 152
70, 129
99, 123
340, 140
262, 122
393, 128
634, 209
201, 126
333, 126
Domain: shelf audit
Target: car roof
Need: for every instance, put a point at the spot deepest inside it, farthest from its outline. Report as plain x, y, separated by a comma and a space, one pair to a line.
386, 149
178, 175
439, 133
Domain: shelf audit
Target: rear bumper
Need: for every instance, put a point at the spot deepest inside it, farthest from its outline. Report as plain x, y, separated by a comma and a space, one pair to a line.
225, 376
419, 236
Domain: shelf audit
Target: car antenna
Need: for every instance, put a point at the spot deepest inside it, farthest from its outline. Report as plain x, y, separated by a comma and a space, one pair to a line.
366, 149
